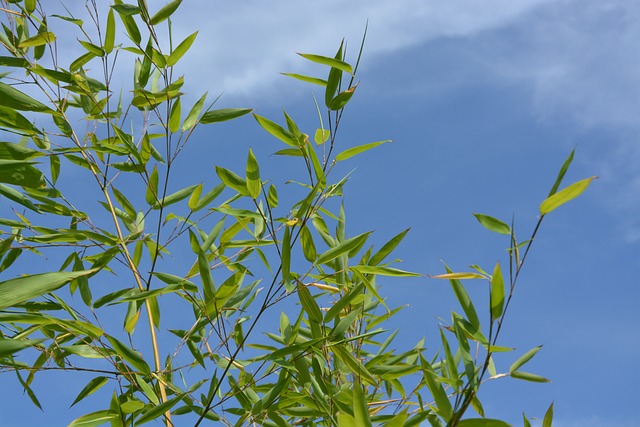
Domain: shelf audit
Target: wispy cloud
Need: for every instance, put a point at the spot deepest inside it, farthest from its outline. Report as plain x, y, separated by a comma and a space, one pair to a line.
243, 46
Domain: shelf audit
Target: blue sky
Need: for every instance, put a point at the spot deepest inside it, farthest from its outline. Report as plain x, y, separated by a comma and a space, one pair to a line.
483, 101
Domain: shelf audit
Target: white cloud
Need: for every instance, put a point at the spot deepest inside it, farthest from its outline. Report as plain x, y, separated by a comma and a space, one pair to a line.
242, 46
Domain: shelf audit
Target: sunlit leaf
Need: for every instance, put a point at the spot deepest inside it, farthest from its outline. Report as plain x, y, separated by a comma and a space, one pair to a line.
493, 224
497, 293
565, 195
39, 39
13, 98
350, 152
343, 248
548, 417
11, 346
325, 60
307, 79
22, 289
254, 186
165, 12
181, 49
482, 422
94, 419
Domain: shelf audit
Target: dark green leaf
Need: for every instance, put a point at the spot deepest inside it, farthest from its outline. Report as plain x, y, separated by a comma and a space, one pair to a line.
13, 98
331, 62
224, 114
91, 387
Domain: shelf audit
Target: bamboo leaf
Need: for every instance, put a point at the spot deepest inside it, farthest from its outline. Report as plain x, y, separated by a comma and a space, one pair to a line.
11, 346
91, 387
276, 130
493, 224
343, 248
565, 195
350, 152
23, 289
360, 408
342, 99
94, 419
165, 12
383, 271
307, 79
254, 186
224, 114
482, 422
13, 98
524, 359
561, 173
175, 197
232, 180
110, 33
181, 49
309, 304
526, 376
459, 276
331, 62
39, 39
131, 356
548, 417
497, 293
194, 113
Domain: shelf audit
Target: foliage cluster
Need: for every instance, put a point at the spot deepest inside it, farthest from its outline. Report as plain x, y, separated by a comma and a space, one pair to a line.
99, 309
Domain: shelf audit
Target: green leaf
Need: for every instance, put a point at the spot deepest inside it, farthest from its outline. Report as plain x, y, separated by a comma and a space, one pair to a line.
174, 118
346, 420
307, 79
563, 171
96, 50
110, 34
22, 173
13, 98
151, 195
563, 196
482, 422
276, 130
465, 301
23, 289
165, 12
497, 293
459, 276
224, 114
39, 39
333, 81
12, 119
254, 186
175, 197
285, 262
350, 152
10, 61
91, 387
94, 419
343, 302
194, 113
309, 304
80, 61
181, 49
343, 248
444, 408
342, 99
360, 408
209, 197
526, 376
331, 62
17, 197
208, 286
493, 224
383, 271
308, 247
358, 369
158, 411
321, 136
131, 356
11, 346
232, 180
548, 417
272, 196
524, 359
126, 9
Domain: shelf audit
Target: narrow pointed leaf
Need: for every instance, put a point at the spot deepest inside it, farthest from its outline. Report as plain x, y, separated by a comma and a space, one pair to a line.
254, 187
524, 359
561, 173
493, 224
13, 98
309, 304
165, 12
181, 49
350, 152
11, 346
526, 376
482, 422
23, 289
307, 79
39, 39
343, 248
383, 271
548, 417
331, 62
94, 419
232, 180
223, 115
110, 34
497, 293
91, 387
565, 195
276, 130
